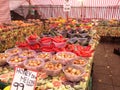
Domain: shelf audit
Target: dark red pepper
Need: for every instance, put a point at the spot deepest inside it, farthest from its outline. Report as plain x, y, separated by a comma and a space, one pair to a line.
70, 47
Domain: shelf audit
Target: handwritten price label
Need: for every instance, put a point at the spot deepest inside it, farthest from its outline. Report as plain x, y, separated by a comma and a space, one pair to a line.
67, 6
24, 79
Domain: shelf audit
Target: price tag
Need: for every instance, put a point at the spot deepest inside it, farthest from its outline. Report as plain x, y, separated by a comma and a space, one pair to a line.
24, 79
67, 6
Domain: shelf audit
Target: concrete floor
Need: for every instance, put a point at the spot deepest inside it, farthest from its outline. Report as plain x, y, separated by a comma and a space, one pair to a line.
106, 69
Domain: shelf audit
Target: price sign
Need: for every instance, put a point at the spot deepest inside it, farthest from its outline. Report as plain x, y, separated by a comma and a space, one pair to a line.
24, 79
67, 6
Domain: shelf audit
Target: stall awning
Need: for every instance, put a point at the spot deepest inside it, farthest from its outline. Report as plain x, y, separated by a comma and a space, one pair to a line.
75, 3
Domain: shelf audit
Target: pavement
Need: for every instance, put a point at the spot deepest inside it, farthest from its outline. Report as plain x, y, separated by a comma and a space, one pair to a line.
106, 69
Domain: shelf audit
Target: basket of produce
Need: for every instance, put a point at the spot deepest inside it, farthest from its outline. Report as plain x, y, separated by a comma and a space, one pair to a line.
54, 58
44, 55
16, 60
59, 41
53, 68
3, 58
13, 51
45, 41
34, 64
66, 57
28, 53
79, 62
73, 73
32, 39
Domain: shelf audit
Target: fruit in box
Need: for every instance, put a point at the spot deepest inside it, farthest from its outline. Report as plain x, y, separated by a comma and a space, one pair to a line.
13, 51
54, 58
80, 62
58, 60
44, 55
73, 73
53, 68
16, 61
3, 58
28, 53
34, 64
66, 55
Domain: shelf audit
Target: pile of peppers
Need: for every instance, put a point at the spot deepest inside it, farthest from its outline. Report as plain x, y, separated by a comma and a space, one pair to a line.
46, 44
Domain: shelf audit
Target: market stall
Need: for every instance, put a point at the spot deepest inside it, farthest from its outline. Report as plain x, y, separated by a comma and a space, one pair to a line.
63, 62
17, 31
108, 28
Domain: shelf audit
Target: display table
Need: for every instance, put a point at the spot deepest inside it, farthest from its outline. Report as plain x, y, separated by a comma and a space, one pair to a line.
78, 49
58, 82
9, 36
108, 28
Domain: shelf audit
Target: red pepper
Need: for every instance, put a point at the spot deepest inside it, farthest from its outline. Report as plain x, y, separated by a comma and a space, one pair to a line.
87, 48
59, 39
45, 39
22, 44
70, 47
77, 53
79, 47
56, 49
52, 45
86, 53
34, 47
46, 49
63, 49
32, 37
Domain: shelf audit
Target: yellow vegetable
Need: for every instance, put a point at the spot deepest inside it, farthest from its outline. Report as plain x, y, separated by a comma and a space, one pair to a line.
7, 88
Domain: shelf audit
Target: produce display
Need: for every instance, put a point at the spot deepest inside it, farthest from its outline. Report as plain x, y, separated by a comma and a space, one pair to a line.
63, 24
27, 53
13, 51
17, 31
61, 64
34, 64
80, 62
66, 55
3, 58
16, 61
108, 28
53, 68
44, 55
73, 73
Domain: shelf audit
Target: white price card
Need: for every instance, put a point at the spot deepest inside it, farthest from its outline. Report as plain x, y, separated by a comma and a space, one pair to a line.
24, 79
67, 6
